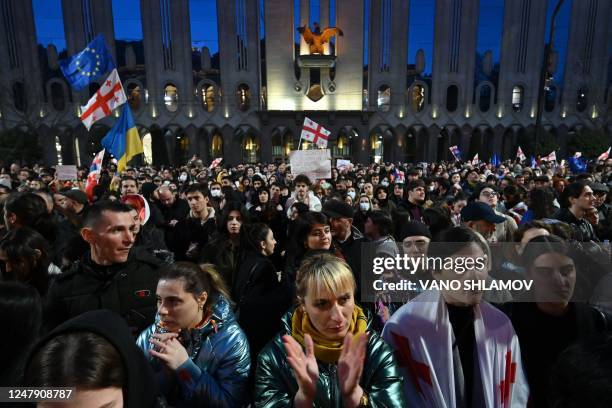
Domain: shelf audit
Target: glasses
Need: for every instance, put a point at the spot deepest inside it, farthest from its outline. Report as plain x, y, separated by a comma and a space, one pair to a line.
489, 194
420, 244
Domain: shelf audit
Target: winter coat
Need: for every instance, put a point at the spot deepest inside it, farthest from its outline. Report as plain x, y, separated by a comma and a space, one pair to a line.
127, 289
275, 384
217, 371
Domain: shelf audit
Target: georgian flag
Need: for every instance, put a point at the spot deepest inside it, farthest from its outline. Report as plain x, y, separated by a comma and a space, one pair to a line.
94, 170
604, 155
315, 133
422, 337
519, 153
215, 163
475, 160
551, 157
106, 99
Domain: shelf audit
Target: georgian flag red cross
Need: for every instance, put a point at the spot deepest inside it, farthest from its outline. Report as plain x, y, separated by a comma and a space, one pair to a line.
105, 100
315, 133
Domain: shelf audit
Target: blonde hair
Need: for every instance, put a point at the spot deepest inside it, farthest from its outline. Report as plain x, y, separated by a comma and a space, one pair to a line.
324, 272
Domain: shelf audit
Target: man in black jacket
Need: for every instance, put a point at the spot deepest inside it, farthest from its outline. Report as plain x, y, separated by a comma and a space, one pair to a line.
346, 237
112, 274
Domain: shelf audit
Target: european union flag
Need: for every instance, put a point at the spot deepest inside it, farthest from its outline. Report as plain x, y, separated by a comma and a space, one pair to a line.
88, 65
577, 165
495, 160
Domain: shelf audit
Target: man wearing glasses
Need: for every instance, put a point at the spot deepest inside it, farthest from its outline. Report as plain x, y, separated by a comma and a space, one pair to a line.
488, 194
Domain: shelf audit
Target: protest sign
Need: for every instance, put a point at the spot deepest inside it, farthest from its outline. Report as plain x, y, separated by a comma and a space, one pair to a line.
316, 163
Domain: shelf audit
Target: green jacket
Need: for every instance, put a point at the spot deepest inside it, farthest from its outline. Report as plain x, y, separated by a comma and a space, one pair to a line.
275, 384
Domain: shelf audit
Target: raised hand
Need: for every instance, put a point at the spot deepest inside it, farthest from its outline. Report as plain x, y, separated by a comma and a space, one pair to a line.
350, 367
304, 367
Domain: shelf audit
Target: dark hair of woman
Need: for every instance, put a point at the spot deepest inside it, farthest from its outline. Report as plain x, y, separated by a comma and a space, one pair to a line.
227, 209
21, 308
305, 224
253, 234
198, 279
27, 256
541, 202
31, 211
77, 359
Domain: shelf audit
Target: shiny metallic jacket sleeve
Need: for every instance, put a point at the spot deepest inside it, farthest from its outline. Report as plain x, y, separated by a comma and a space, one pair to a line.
227, 386
224, 385
381, 378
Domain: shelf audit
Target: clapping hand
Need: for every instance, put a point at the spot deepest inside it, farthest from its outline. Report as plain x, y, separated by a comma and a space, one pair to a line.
304, 367
350, 367
168, 349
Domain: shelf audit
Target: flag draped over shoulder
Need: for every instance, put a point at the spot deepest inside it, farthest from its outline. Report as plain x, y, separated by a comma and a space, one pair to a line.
422, 336
88, 65
123, 140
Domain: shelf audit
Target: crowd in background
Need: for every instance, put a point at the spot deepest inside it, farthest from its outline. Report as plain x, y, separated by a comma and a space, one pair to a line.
238, 285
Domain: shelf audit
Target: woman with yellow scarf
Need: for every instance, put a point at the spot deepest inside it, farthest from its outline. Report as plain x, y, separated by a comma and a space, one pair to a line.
326, 356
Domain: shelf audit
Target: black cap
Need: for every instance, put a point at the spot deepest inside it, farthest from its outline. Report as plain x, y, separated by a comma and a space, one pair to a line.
337, 209
413, 229
599, 187
75, 195
476, 211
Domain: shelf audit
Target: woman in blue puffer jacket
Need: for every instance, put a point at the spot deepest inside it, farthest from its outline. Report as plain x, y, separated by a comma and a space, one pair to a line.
197, 350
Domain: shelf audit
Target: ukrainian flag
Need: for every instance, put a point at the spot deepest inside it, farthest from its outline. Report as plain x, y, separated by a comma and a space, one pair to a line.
123, 140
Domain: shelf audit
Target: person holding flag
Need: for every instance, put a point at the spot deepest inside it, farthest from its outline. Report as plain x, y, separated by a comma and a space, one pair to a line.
123, 140
94, 173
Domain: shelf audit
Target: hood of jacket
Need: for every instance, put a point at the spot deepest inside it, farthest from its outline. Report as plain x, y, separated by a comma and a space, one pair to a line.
140, 389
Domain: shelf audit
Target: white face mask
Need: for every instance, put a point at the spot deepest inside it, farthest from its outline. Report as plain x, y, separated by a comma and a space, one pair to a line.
364, 206
384, 183
183, 178
351, 194
215, 193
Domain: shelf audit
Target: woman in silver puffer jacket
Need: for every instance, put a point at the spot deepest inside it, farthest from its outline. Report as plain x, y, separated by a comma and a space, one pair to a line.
198, 352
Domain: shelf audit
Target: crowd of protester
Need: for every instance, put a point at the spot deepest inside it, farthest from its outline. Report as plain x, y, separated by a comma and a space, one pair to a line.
242, 285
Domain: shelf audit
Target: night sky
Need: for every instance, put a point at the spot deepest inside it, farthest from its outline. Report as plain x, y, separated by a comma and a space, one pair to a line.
126, 13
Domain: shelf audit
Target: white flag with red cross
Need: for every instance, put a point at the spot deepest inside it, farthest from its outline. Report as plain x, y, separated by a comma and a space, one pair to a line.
106, 99
519, 153
604, 155
315, 133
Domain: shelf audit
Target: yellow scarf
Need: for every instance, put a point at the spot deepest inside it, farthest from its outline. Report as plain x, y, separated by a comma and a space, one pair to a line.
325, 350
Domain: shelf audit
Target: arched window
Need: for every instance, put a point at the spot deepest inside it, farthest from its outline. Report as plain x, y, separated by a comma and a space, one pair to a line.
582, 99
58, 100
250, 148
133, 96
376, 146
19, 97
208, 97
181, 147
417, 98
550, 98
277, 145
243, 97
342, 147
384, 98
484, 99
452, 98
147, 144
171, 98
216, 147
517, 98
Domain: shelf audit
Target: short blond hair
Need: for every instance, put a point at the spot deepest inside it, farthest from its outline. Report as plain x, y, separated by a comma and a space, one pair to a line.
324, 272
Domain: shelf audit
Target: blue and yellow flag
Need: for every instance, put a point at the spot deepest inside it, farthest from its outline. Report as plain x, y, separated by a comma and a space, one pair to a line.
123, 140
88, 65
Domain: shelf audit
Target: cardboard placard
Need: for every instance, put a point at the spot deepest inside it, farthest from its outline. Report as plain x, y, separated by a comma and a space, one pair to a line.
66, 172
316, 163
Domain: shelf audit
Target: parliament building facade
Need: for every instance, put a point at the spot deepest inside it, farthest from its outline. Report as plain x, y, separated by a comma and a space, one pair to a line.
381, 99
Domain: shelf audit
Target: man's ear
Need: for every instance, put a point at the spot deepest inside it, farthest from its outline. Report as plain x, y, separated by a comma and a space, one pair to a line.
87, 233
